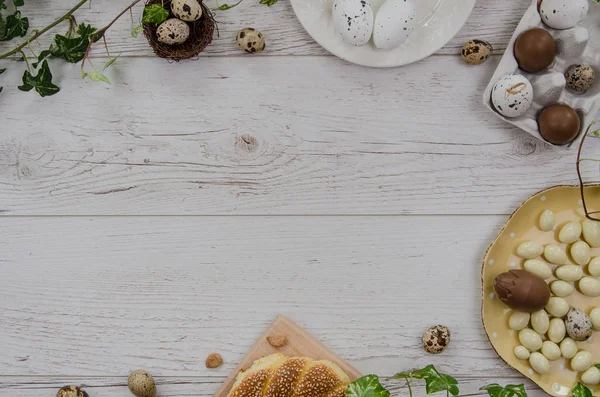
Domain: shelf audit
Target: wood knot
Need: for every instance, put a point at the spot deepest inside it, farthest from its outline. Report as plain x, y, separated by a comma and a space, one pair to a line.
246, 143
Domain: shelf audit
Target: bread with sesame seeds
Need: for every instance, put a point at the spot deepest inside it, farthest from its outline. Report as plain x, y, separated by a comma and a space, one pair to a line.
280, 376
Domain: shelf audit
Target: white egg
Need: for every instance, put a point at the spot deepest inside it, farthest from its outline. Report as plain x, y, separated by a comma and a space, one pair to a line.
394, 22
512, 95
353, 20
563, 14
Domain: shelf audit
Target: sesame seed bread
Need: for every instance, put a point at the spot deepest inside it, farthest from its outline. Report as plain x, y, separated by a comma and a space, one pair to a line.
280, 376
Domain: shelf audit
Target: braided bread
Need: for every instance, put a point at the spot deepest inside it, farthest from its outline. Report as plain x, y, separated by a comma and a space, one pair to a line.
280, 376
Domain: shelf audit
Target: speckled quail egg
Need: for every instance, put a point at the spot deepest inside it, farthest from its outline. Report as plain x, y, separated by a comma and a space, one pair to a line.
186, 10
579, 325
173, 31
476, 52
563, 14
394, 22
353, 20
436, 339
512, 95
71, 391
250, 40
141, 384
580, 78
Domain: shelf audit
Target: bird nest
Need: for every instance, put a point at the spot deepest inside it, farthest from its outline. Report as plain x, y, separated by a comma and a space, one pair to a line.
201, 35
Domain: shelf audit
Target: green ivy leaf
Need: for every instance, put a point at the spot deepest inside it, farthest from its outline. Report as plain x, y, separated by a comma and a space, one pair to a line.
14, 26
597, 365
136, 31
71, 49
98, 77
495, 390
42, 82
2, 70
435, 381
581, 391
226, 6
19, 3
268, 2
367, 386
2, 5
155, 13
111, 61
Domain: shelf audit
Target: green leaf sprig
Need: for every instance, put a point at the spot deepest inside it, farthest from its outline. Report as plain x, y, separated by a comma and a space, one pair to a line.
581, 391
155, 13
42, 81
434, 380
367, 386
15, 25
495, 390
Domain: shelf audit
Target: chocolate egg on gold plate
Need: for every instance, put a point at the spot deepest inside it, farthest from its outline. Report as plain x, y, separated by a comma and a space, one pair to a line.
507, 286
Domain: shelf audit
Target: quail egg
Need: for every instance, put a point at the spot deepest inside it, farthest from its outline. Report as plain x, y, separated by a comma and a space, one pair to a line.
579, 325
250, 40
512, 95
476, 52
580, 78
563, 14
186, 10
71, 391
436, 339
141, 384
353, 21
394, 22
173, 31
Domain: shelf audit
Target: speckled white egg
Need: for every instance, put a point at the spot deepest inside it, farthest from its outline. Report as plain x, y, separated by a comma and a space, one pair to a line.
186, 10
173, 31
563, 14
353, 20
579, 325
512, 95
394, 22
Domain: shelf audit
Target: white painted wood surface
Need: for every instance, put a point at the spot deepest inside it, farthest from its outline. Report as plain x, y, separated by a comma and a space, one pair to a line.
359, 202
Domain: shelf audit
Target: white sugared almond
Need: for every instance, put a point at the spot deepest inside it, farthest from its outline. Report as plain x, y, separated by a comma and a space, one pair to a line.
591, 377
538, 267
529, 250
530, 339
594, 266
595, 317
580, 252
518, 321
557, 330
547, 221
582, 361
570, 232
568, 348
557, 307
521, 352
540, 322
590, 286
591, 232
554, 253
539, 363
569, 273
550, 350
561, 288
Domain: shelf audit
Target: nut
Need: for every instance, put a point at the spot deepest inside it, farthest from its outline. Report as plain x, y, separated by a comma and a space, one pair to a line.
214, 360
277, 340
141, 384
436, 339
71, 391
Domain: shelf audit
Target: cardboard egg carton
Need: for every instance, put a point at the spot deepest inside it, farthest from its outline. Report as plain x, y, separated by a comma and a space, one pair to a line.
578, 45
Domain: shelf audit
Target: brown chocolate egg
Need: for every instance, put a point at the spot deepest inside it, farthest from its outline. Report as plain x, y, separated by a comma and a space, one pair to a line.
521, 290
535, 50
559, 124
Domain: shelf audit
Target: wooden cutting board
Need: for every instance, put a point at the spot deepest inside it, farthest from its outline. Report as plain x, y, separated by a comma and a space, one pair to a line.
300, 343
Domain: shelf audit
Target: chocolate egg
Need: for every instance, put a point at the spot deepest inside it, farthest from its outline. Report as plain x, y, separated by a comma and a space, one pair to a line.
535, 50
559, 124
521, 290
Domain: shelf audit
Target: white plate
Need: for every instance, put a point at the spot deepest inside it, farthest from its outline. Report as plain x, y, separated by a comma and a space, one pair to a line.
439, 21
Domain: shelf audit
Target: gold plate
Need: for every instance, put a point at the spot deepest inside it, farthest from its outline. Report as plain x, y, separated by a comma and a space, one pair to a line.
565, 202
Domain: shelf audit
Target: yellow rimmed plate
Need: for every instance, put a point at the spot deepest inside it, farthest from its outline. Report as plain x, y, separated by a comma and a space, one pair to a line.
565, 202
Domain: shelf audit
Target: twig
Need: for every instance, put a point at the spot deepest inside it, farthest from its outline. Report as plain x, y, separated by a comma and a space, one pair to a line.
41, 32
588, 214
101, 32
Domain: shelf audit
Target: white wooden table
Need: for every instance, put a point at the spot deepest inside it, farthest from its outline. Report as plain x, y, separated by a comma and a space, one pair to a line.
176, 212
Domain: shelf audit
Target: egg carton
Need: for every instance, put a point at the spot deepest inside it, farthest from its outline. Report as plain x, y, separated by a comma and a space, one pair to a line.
578, 45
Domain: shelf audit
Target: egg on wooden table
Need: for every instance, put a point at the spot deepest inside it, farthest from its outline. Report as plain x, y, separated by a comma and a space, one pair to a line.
353, 20
563, 14
394, 22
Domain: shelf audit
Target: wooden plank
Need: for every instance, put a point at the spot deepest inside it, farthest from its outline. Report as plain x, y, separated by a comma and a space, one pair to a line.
285, 135
25, 386
491, 20
103, 296
299, 343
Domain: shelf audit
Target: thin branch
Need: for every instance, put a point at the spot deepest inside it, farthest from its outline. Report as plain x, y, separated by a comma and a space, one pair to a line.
588, 214
41, 32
